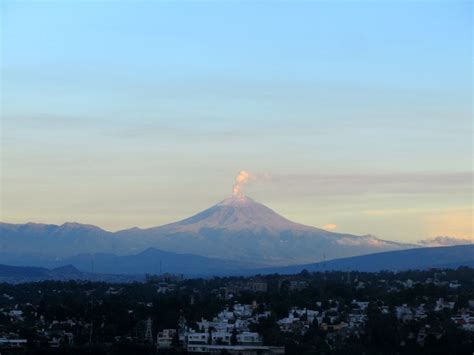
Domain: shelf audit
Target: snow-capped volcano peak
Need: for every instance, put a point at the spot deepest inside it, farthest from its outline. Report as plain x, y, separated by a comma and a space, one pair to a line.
238, 212
236, 200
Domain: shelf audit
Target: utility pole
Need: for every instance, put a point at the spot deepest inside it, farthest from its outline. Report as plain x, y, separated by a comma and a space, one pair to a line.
92, 322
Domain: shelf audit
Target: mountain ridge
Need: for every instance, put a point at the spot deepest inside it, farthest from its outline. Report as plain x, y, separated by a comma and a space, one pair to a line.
414, 259
417, 258
20, 274
237, 228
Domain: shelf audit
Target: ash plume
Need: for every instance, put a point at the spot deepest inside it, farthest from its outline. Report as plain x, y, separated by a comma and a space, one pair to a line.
243, 178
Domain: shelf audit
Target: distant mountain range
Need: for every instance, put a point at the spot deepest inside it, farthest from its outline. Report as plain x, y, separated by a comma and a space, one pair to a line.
151, 261
19, 274
114, 268
419, 258
237, 229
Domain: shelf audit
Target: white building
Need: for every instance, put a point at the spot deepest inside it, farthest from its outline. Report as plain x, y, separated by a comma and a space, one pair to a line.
245, 350
249, 338
164, 339
404, 313
197, 342
442, 304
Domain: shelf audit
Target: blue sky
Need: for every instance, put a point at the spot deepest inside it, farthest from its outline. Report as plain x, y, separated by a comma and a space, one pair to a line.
140, 113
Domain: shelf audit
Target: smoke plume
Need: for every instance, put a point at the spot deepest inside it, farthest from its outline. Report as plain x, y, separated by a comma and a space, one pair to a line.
240, 180
243, 178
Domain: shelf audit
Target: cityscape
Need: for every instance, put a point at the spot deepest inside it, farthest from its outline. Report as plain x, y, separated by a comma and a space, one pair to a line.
331, 312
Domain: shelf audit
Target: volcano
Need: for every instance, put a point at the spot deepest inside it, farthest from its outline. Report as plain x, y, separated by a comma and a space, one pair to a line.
236, 213
238, 228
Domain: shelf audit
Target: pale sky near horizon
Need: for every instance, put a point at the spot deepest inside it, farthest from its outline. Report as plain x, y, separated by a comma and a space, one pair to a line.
122, 114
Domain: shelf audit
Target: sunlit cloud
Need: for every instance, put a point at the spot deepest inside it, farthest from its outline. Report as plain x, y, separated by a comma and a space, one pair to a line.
366, 241
330, 226
445, 241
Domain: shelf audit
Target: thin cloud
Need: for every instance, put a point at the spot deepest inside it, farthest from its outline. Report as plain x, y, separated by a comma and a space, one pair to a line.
445, 241
386, 183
